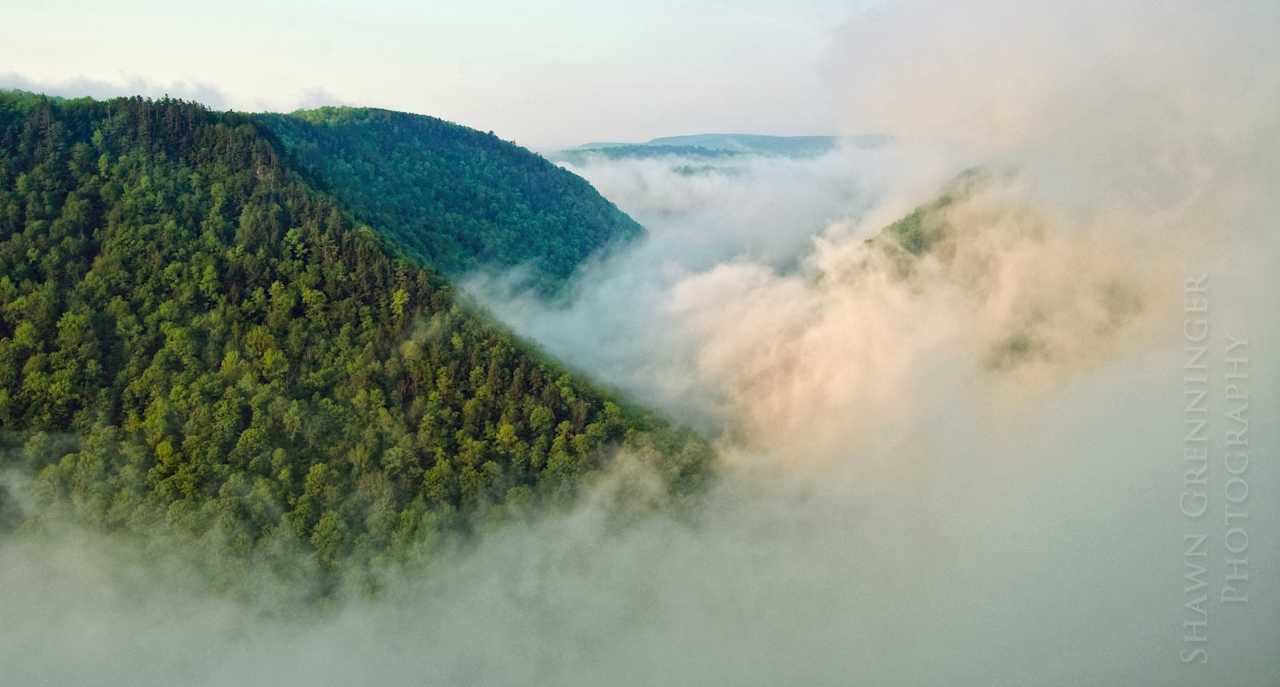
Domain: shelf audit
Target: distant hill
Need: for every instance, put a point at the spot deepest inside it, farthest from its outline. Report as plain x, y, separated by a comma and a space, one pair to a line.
628, 151
720, 145
198, 344
451, 196
786, 146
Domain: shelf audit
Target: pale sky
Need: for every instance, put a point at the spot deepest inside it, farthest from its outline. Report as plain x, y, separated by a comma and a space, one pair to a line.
546, 74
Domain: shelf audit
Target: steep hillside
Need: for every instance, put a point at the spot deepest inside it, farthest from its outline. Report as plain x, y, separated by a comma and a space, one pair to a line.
451, 196
926, 226
196, 342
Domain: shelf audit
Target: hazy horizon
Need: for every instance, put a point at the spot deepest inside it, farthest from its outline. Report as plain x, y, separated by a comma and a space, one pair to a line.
546, 77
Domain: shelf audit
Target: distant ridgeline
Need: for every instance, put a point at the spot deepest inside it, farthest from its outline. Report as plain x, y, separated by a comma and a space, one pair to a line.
451, 196
195, 341
628, 151
715, 146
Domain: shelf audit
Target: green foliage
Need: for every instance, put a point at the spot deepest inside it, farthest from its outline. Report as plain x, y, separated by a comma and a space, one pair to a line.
925, 226
194, 340
918, 231
451, 196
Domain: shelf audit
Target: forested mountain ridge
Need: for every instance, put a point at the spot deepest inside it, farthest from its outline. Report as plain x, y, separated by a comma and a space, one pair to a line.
451, 196
195, 341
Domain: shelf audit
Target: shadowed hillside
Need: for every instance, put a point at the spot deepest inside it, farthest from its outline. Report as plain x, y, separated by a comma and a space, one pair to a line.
451, 196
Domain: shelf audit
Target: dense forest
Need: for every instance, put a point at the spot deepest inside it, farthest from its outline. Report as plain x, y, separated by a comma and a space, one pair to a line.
196, 342
454, 197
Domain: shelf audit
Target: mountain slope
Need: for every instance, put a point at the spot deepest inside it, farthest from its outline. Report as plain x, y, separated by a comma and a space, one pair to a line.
451, 196
195, 342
